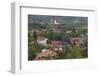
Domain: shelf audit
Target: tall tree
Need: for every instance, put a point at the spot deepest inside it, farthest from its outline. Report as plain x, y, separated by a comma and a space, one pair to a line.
35, 37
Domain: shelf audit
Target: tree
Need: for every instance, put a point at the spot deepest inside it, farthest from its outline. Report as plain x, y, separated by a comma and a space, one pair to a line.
29, 35
73, 34
53, 35
32, 52
35, 38
69, 55
76, 52
35, 35
83, 31
42, 34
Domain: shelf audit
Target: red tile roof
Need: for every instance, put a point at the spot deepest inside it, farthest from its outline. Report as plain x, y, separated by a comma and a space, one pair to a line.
45, 54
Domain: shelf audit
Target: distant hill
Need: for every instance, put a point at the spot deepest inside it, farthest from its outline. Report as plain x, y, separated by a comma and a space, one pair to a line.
45, 20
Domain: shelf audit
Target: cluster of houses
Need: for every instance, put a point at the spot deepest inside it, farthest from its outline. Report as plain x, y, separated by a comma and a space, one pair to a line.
57, 47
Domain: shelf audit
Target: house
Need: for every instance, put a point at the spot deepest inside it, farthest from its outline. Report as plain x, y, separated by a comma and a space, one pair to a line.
77, 41
57, 45
58, 49
43, 50
42, 41
68, 31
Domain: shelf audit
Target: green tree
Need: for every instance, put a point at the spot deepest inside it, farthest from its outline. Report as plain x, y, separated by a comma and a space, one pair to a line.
42, 34
35, 35
35, 38
69, 55
32, 52
76, 52
53, 36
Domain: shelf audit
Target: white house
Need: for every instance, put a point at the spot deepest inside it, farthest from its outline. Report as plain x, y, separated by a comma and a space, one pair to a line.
42, 41
60, 49
68, 31
43, 50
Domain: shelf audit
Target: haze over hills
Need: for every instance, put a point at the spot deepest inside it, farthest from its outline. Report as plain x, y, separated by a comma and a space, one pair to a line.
60, 19
46, 20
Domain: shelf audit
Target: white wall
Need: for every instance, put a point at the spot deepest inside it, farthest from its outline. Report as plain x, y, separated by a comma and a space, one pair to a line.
5, 33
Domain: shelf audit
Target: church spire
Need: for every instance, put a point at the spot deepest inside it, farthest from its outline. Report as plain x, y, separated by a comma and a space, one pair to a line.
55, 22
